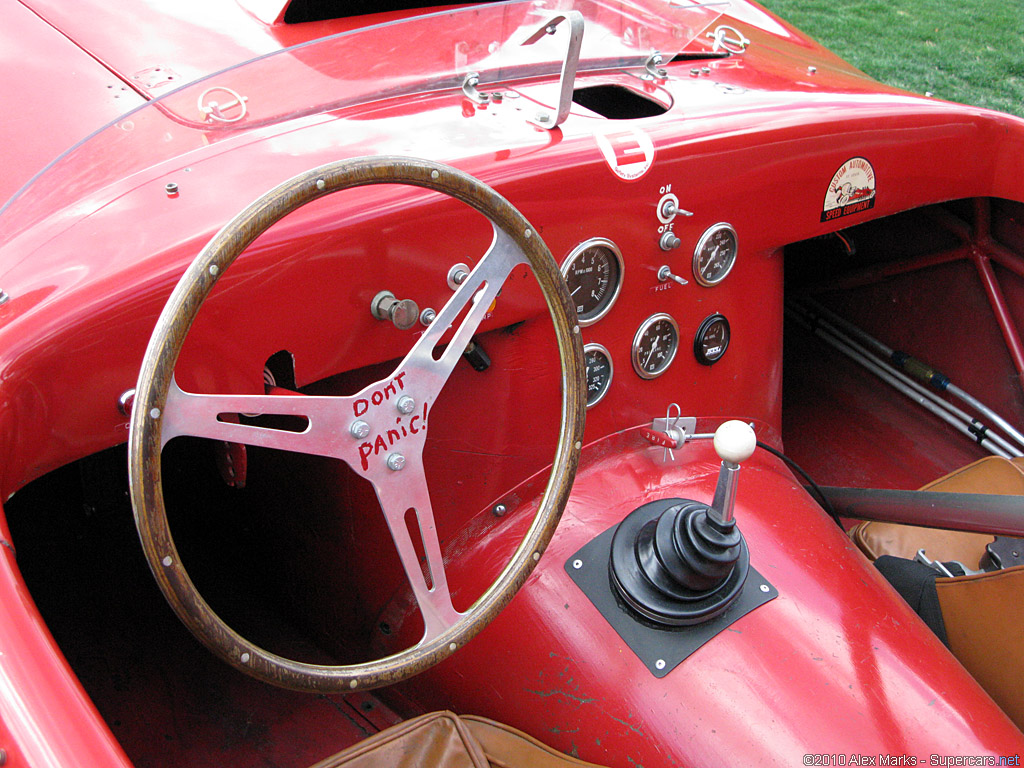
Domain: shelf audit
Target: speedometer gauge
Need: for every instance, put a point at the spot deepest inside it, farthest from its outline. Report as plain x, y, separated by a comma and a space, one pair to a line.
715, 254
655, 345
593, 272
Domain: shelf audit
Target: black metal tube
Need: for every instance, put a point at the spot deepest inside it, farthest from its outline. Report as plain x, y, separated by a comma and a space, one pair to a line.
981, 512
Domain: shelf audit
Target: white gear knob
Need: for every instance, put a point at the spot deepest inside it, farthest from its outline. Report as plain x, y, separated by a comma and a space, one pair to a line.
735, 441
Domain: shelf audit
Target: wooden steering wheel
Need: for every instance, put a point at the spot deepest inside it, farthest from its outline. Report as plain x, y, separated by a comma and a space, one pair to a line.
162, 411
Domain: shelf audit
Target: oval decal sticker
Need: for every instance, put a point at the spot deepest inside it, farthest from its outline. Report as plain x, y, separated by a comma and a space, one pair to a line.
629, 153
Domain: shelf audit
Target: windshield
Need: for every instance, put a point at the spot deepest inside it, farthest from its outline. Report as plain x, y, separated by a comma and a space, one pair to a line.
421, 54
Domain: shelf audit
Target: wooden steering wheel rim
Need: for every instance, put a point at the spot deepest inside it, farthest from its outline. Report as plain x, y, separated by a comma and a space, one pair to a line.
155, 378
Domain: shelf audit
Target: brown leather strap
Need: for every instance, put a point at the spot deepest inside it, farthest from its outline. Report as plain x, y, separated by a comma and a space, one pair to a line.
984, 616
438, 740
507, 747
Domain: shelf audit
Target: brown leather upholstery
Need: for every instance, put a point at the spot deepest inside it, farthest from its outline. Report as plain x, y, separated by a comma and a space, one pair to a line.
507, 747
435, 739
983, 614
984, 617
444, 740
989, 475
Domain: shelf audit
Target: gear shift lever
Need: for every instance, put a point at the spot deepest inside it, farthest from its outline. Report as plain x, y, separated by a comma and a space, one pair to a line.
684, 562
734, 443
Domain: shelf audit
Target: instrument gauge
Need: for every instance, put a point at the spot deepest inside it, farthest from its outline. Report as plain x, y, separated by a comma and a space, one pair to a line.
598, 362
715, 254
593, 272
712, 339
655, 345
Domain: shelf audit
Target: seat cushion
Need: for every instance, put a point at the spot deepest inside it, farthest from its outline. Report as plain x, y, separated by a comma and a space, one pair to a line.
989, 475
445, 740
983, 615
437, 739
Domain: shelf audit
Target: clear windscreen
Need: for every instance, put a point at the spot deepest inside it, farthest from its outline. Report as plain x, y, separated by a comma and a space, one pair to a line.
417, 55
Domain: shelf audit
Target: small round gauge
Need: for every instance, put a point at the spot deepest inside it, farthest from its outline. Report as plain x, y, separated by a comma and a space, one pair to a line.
593, 272
715, 254
712, 339
599, 372
655, 345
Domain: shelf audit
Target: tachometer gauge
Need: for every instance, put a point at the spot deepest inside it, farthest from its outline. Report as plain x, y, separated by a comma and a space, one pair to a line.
599, 372
655, 345
712, 339
715, 254
593, 272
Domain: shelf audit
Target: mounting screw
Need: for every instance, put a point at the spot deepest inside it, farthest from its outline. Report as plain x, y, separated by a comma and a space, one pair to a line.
543, 118
427, 316
765, 588
577, 564
171, 189
811, 70
396, 461
359, 429
659, 664
405, 404
499, 510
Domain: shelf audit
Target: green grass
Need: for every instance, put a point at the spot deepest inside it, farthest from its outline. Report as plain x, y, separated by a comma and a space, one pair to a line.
971, 51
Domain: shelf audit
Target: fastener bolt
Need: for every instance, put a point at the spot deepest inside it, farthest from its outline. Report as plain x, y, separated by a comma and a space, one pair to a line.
359, 429
396, 461
405, 404
499, 510
171, 189
427, 316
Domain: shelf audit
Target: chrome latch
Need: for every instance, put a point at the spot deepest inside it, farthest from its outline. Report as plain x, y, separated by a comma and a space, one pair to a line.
728, 39
469, 89
222, 112
653, 69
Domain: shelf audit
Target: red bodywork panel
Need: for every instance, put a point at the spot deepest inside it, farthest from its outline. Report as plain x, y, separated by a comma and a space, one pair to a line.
836, 664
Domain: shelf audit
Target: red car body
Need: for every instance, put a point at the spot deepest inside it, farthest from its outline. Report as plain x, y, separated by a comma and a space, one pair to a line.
114, 179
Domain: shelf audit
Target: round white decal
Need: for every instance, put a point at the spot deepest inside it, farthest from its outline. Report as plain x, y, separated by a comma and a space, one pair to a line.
851, 190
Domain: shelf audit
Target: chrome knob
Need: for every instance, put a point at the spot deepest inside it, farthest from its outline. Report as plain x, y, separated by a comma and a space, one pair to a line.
403, 313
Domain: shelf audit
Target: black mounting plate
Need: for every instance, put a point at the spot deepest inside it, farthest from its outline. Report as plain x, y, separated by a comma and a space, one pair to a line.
660, 648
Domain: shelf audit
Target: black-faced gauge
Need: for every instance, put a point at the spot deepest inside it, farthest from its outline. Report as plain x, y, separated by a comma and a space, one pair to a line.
593, 272
599, 372
712, 339
655, 345
715, 254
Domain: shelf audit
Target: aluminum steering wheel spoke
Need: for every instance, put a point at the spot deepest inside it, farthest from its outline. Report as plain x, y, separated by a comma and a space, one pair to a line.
479, 290
214, 416
405, 501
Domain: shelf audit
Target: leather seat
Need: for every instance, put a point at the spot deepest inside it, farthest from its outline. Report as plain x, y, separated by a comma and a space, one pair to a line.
989, 475
445, 740
983, 614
